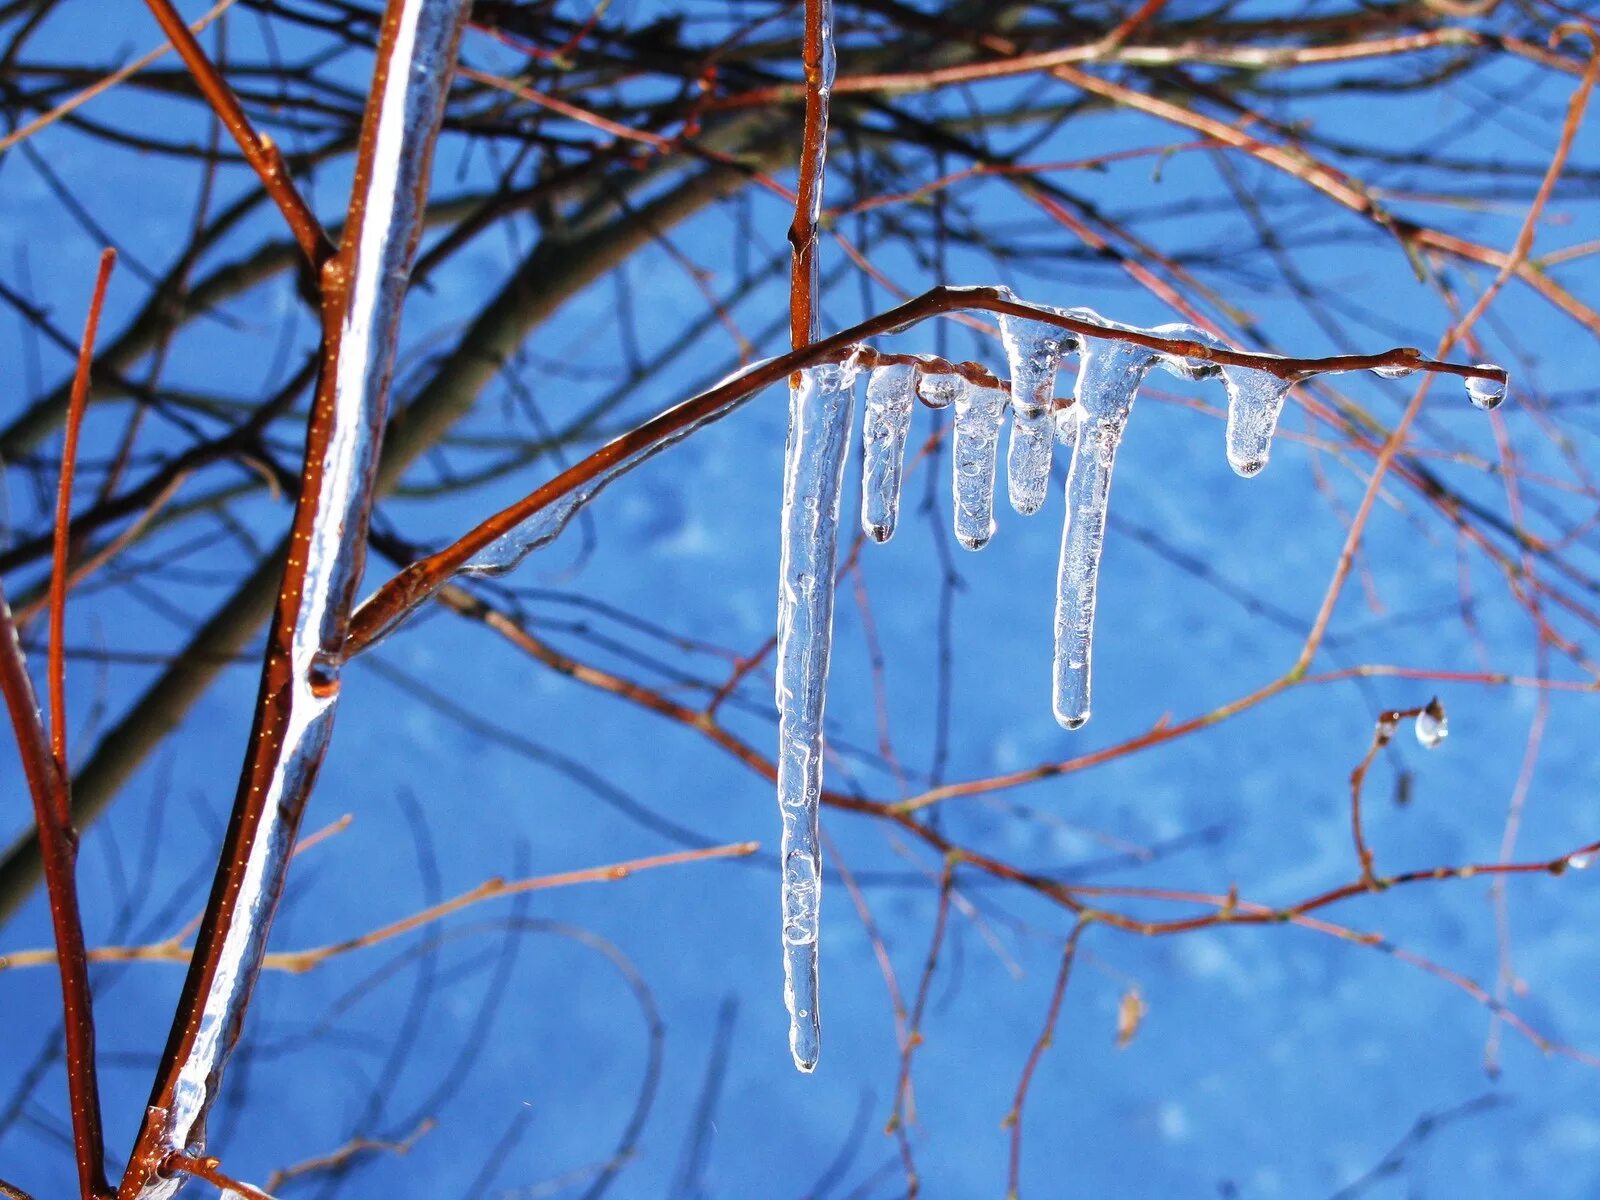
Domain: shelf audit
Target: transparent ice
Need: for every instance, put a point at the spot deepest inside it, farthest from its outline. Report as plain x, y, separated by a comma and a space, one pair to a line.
1034, 350
813, 477
1486, 393
1255, 401
1109, 375
891, 395
979, 412
1432, 725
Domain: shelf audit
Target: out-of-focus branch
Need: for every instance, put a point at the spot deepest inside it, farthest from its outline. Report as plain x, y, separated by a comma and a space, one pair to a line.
260, 151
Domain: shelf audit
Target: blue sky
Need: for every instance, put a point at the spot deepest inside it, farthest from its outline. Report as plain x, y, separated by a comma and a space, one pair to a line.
1274, 1062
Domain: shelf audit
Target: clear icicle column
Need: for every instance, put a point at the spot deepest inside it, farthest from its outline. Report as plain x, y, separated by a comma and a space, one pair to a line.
813, 478
1110, 372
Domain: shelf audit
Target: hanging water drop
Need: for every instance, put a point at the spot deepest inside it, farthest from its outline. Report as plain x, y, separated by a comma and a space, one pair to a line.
1432, 725
891, 395
1034, 350
813, 478
1486, 393
979, 412
939, 389
1580, 861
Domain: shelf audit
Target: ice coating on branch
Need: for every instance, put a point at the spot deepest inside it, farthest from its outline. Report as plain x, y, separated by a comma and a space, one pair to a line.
1109, 375
544, 525
891, 395
979, 412
813, 477
1255, 401
1034, 350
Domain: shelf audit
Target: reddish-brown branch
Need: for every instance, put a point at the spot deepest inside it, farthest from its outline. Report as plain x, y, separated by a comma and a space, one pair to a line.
58, 844
1013, 1119
816, 58
904, 1112
59, 578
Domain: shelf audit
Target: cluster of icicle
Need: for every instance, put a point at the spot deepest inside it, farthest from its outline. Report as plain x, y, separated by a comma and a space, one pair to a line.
820, 410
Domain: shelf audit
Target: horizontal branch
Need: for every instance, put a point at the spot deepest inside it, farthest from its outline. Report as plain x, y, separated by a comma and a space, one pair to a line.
401, 596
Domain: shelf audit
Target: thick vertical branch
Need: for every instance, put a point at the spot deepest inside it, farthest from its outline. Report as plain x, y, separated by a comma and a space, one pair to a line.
59, 848
817, 58
363, 289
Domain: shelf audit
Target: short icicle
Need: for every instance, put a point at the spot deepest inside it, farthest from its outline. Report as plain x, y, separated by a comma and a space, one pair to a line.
891, 396
1034, 350
1255, 400
813, 477
1109, 375
979, 412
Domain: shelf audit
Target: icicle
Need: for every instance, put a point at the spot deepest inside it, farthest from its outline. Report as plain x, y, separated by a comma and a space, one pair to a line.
1034, 350
1432, 725
979, 411
1255, 401
1486, 393
1109, 374
813, 477
891, 395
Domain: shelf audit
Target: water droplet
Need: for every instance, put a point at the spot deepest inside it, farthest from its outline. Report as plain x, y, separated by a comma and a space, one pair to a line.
1581, 861
1432, 725
939, 390
1486, 393
1394, 372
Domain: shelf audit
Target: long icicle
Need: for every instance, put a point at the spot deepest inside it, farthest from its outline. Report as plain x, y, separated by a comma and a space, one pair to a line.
1109, 374
813, 478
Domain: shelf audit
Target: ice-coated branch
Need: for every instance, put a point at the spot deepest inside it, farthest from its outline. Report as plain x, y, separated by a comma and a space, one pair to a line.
363, 289
388, 607
818, 62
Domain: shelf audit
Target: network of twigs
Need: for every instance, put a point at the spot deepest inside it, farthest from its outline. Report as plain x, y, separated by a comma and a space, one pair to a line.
612, 138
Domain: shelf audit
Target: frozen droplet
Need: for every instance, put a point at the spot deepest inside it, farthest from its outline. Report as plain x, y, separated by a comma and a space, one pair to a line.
1255, 401
891, 395
813, 477
1486, 393
939, 389
1394, 372
1387, 724
1432, 725
1034, 350
1581, 861
979, 412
